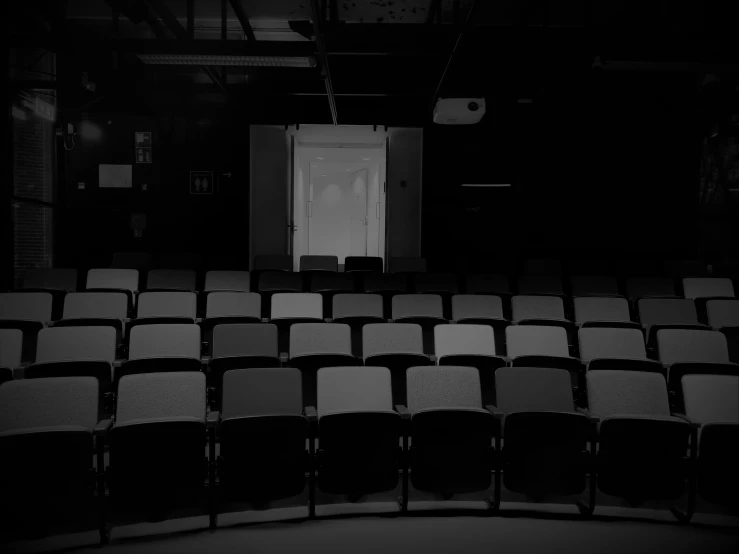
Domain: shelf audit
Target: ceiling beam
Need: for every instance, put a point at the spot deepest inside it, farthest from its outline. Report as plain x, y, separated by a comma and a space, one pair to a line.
324, 60
243, 19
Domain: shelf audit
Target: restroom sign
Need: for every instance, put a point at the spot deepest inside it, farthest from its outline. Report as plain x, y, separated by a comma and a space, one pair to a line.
201, 182
143, 147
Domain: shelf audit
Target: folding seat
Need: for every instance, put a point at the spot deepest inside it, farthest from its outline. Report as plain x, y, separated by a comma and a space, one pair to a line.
498, 266
162, 347
47, 428
615, 348
242, 346
27, 311
359, 433
115, 280
396, 346
328, 284
11, 347
541, 310
543, 266
319, 263
277, 282
440, 284
650, 287
667, 313
603, 312
357, 310
591, 266
141, 261
488, 284
94, 309
426, 310
406, 265
56, 281
180, 260
540, 284
472, 346
642, 445
686, 351
542, 346
165, 307
234, 281
723, 316
708, 287
225, 307
317, 345
272, 263
479, 309
452, 434
363, 263
290, 308
677, 269
545, 434
171, 279
593, 285
644, 267
713, 402
386, 285
156, 456
225, 262
262, 433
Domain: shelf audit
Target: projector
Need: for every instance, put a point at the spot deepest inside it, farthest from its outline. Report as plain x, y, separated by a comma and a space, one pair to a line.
459, 111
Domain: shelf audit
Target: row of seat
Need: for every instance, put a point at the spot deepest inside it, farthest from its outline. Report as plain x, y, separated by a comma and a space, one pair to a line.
356, 441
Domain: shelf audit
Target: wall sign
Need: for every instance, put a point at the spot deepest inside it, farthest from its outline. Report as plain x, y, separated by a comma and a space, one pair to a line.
143, 147
201, 182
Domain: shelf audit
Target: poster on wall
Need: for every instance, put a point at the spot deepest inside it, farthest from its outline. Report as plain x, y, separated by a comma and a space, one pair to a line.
201, 182
143, 147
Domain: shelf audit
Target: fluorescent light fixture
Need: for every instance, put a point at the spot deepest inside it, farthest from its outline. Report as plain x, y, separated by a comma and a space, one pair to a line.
239, 61
319, 158
494, 185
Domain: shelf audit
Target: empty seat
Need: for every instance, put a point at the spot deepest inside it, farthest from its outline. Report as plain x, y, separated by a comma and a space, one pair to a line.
541, 346
423, 309
713, 402
11, 348
642, 447
180, 260
406, 264
273, 263
279, 281
498, 266
593, 286
46, 446
156, 458
677, 269
86, 309
434, 283
230, 307
479, 309
50, 278
162, 347
227, 262
358, 309
295, 307
171, 279
540, 284
358, 431
262, 411
469, 345
723, 315
363, 263
545, 436
452, 450
396, 346
604, 311
524, 307
237, 281
125, 280
28, 312
615, 348
141, 261
542, 266
328, 284
650, 287
319, 263
707, 287
487, 284
166, 307
659, 313
591, 266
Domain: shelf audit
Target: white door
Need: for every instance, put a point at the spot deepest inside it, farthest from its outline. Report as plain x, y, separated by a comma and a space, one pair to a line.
358, 214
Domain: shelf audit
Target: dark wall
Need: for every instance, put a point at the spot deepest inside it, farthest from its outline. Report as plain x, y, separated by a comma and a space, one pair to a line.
598, 167
96, 222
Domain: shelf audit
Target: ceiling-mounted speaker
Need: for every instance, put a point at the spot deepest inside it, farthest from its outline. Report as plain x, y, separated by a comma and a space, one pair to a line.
459, 111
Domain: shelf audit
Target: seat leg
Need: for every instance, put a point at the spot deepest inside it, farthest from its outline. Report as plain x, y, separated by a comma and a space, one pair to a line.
588, 509
684, 516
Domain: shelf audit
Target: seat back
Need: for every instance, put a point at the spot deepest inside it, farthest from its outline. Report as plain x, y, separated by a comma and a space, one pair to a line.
167, 304
488, 284
542, 266
180, 260
353, 389
537, 307
104, 278
601, 342
644, 287
706, 287
95, 305
319, 263
273, 263
540, 284
406, 264
68, 344
262, 391
160, 397
450, 340
245, 339
667, 311
392, 338
711, 398
533, 389
436, 283
723, 313
432, 387
177, 279
297, 305
227, 281
417, 305
363, 263
536, 340
140, 261
233, 304
688, 345
618, 392
32, 306
468, 306
175, 340
280, 280
320, 338
357, 305
11, 347
594, 285
601, 309
50, 278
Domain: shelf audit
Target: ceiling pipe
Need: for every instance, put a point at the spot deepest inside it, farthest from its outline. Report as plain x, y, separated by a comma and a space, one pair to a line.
243, 19
324, 61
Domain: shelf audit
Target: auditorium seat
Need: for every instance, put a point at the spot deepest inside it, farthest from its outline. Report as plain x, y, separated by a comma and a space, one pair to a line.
319, 263
140, 261
426, 310
277, 282
678, 269
235, 281
472, 346
593, 285
115, 280
317, 345
396, 346
162, 347
262, 433
546, 435
541, 310
27, 311
667, 313
52, 279
650, 287
289, 308
180, 260
479, 309
713, 402
357, 310
591, 266
406, 265
723, 316
452, 433
327, 284
708, 287
171, 279
642, 446
615, 348
540, 284
358, 432
230, 307
90, 309
11, 348
272, 263
164, 307
386, 285
543, 266
371, 264
241, 346
156, 457
603, 312
488, 284
444, 285
46, 444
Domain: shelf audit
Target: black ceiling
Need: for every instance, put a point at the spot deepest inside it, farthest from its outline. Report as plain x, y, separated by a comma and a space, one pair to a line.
385, 58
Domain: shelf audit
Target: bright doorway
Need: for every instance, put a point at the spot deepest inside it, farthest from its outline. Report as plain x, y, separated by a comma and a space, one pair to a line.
338, 201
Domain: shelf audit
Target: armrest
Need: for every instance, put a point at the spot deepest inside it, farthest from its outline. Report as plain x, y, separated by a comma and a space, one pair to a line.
284, 357
390, 320
213, 418
434, 360
198, 320
205, 360
311, 415
102, 427
403, 411
327, 319
494, 410
693, 424
118, 363
583, 411
265, 320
